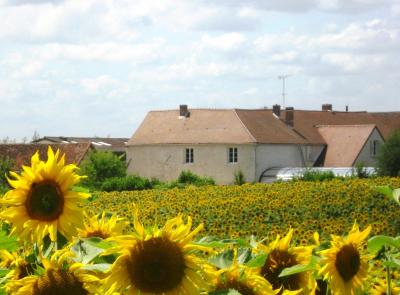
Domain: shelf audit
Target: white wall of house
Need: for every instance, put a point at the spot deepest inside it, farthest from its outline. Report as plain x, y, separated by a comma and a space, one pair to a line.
369, 152
285, 155
166, 162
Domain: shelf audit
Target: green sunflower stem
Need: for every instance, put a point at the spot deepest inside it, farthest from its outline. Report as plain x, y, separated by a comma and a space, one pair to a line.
389, 287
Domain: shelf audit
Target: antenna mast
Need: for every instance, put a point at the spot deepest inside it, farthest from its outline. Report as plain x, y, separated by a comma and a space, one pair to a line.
283, 78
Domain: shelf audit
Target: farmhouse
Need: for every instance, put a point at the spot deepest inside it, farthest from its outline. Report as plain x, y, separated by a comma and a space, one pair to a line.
21, 154
219, 142
115, 145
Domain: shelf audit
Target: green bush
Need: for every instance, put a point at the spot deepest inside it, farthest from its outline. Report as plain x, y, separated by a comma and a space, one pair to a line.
6, 164
389, 156
360, 171
188, 177
239, 178
314, 175
100, 166
127, 183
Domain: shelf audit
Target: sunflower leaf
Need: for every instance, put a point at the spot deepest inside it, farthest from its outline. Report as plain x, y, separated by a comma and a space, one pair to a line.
377, 242
387, 191
396, 195
8, 243
257, 261
392, 262
223, 259
4, 271
85, 252
300, 268
225, 292
98, 243
101, 267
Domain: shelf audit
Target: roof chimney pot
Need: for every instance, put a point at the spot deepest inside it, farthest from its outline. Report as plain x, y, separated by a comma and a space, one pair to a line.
276, 109
327, 107
183, 110
289, 116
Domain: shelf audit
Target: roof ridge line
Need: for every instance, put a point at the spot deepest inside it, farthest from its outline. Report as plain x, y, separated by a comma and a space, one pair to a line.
245, 127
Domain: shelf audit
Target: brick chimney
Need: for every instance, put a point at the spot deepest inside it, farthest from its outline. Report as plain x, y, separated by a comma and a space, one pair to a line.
289, 116
276, 109
327, 107
183, 110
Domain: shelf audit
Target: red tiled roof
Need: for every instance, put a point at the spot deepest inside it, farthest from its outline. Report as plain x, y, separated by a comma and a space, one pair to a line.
305, 122
214, 126
202, 126
265, 127
251, 126
22, 153
345, 143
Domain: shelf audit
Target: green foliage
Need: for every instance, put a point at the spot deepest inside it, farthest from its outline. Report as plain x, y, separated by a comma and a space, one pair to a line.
127, 183
360, 171
314, 175
6, 164
101, 165
188, 177
389, 156
392, 194
239, 178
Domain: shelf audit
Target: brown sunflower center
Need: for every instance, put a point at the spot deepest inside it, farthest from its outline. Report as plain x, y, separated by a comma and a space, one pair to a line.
45, 201
58, 283
278, 260
156, 265
235, 285
347, 262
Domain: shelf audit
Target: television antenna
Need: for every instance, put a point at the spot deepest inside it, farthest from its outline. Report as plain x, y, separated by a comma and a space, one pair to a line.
283, 78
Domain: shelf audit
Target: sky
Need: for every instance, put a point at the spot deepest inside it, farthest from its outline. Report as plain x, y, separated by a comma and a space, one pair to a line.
96, 67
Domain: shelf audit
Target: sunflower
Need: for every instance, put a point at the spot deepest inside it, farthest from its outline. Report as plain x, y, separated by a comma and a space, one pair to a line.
242, 279
17, 264
61, 276
381, 289
102, 226
41, 201
344, 265
281, 256
158, 261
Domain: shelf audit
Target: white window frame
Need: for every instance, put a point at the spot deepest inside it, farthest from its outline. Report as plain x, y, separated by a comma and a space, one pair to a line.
233, 155
189, 156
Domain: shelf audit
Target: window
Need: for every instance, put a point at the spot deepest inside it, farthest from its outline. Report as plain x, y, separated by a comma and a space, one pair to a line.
189, 156
375, 145
233, 155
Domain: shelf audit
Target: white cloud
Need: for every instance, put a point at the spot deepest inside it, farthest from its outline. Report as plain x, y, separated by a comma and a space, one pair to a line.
96, 85
89, 57
224, 42
106, 52
29, 69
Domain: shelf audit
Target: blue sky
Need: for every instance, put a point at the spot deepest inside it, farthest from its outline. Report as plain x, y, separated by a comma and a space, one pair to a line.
96, 67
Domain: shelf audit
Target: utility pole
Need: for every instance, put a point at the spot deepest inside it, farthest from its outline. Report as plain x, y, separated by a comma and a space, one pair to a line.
283, 78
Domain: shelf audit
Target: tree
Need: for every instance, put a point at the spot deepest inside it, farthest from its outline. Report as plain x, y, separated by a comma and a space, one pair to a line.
101, 165
389, 156
35, 136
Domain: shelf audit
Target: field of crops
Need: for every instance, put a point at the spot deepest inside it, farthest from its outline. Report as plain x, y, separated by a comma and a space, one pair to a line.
266, 210
298, 238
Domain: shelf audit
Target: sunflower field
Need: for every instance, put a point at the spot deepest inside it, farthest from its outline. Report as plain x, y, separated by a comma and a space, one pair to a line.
265, 210
335, 237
